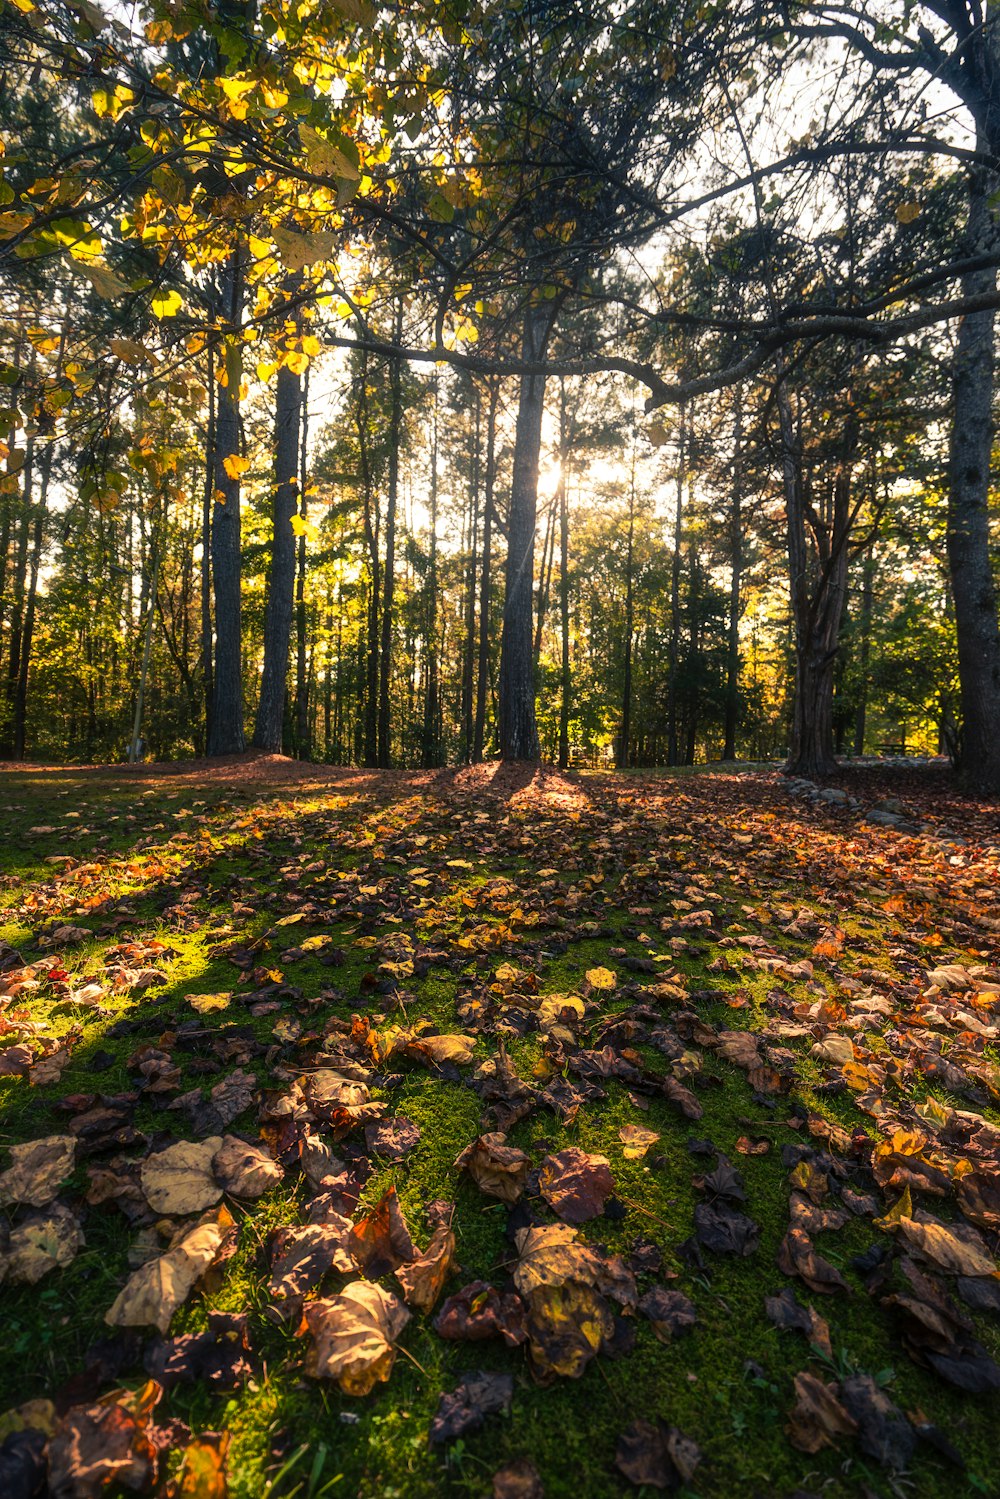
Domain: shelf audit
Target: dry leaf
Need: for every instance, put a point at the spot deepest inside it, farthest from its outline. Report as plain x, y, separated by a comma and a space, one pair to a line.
354, 1336
38, 1171
180, 1179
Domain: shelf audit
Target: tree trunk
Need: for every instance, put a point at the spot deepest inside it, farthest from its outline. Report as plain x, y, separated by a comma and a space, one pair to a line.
566, 675
625, 732
469, 639
735, 582
431, 747
281, 577
227, 700
816, 611
969, 561
208, 504
389, 575
303, 748
485, 578
21, 689
867, 605
518, 729
674, 650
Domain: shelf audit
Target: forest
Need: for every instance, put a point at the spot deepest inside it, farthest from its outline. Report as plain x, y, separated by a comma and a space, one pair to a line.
499, 749
404, 389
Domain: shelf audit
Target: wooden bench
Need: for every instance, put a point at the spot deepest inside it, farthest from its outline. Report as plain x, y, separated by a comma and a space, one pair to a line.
895, 747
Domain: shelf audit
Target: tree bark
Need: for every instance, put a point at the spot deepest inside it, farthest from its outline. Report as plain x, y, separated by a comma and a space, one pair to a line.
674, 648
518, 728
227, 699
566, 674
281, 577
485, 578
625, 732
389, 574
735, 585
969, 561
24, 662
303, 746
431, 747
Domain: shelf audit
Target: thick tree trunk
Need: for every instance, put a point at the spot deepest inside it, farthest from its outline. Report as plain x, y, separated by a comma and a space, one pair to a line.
735, 586
565, 684
485, 579
227, 699
675, 595
469, 638
24, 661
817, 611
518, 729
281, 576
973, 584
208, 504
625, 732
431, 745
389, 575
303, 746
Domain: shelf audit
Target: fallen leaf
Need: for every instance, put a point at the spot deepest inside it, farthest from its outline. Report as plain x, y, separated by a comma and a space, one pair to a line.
797, 1256
480, 1311
576, 1185
817, 1418
180, 1178
153, 1293
656, 1456
38, 1170
380, 1241
465, 1408
105, 1446
45, 1241
245, 1170
498, 1169
353, 1336
636, 1140
422, 1279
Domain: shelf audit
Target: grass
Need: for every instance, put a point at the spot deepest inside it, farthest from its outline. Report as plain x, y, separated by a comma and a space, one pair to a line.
200, 866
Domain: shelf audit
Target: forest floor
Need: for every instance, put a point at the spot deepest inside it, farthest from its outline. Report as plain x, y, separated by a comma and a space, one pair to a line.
480, 1132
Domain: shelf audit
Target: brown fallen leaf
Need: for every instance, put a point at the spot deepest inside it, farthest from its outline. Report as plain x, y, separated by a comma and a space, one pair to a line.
245, 1170
437, 1050
47, 1240
354, 1336
38, 1170
480, 1311
153, 1293
466, 1408
498, 1169
682, 1098
302, 1256
787, 1313
518, 1480
180, 1178
105, 1446
576, 1185
817, 1418
948, 1247
380, 1241
796, 1256
670, 1312
656, 1456
422, 1280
